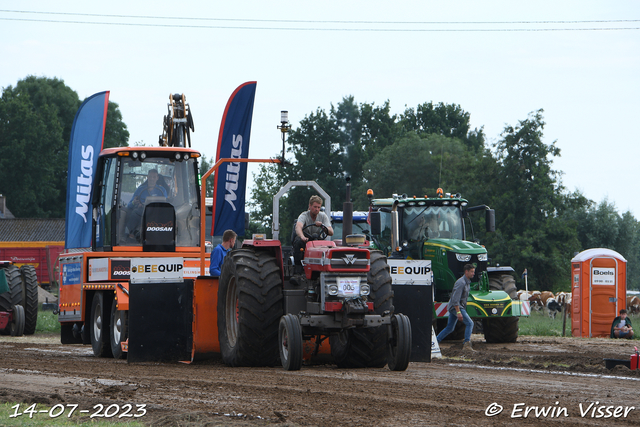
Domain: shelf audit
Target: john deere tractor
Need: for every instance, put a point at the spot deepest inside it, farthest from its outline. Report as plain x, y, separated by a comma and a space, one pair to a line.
433, 228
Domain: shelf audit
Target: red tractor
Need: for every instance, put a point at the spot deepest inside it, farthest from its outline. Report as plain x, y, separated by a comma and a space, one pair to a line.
345, 295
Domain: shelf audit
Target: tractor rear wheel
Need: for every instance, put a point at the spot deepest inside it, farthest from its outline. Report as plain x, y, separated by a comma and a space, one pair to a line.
14, 296
290, 339
500, 329
367, 347
16, 327
29, 298
250, 305
399, 343
504, 282
99, 328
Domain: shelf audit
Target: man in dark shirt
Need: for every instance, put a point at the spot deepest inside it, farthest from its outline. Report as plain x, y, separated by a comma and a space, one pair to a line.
458, 308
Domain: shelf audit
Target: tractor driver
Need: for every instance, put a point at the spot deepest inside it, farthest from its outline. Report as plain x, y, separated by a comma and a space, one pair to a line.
136, 205
311, 217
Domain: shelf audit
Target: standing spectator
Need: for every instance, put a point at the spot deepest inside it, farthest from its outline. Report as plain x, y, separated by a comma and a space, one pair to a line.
221, 251
458, 308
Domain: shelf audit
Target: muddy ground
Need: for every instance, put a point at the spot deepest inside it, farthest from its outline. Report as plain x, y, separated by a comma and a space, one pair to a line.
561, 375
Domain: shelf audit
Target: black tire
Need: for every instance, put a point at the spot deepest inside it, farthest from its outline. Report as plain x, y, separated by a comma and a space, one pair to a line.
29, 298
290, 342
504, 282
250, 305
99, 325
367, 347
16, 327
399, 343
500, 329
118, 331
14, 297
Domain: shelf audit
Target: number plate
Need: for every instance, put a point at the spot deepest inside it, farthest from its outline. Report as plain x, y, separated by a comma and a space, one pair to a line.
348, 286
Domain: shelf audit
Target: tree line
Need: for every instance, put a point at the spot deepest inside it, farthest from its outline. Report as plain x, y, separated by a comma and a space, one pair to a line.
540, 225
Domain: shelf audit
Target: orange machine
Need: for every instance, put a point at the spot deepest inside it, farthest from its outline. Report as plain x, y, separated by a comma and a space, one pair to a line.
599, 288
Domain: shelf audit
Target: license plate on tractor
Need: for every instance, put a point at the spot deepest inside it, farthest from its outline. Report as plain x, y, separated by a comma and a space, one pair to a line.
348, 286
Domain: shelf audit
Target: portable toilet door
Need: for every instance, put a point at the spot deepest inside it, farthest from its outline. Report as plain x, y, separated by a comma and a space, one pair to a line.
599, 290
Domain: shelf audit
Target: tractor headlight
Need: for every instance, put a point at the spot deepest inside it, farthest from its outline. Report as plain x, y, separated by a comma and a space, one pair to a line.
365, 290
463, 257
134, 155
482, 257
333, 289
143, 155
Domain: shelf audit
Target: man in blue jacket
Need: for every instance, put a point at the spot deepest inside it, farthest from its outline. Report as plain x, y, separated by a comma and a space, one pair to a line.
221, 251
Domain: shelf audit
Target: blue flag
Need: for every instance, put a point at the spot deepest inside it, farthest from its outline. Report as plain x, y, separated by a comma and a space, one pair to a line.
231, 177
87, 135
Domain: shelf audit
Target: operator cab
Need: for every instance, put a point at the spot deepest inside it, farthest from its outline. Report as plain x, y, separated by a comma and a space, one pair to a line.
147, 198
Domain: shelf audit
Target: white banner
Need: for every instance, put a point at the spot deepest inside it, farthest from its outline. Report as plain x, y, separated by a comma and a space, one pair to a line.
603, 276
157, 270
410, 272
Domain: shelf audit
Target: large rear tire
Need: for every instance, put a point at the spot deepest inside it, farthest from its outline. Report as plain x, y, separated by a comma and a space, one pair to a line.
504, 282
14, 296
500, 329
99, 328
367, 347
290, 339
29, 298
250, 305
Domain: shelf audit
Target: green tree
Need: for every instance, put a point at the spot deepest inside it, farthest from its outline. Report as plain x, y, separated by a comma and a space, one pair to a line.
36, 117
115, 132
531, 231
443, 119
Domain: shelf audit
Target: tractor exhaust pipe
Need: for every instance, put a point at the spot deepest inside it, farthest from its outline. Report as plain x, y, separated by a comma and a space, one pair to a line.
347, 213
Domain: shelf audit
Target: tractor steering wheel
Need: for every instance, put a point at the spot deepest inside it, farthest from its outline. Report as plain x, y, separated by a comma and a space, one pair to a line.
320, 234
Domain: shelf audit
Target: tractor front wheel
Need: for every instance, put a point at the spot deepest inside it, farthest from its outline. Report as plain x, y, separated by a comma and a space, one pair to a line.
290, 339
250, 305
16, 327
399, 343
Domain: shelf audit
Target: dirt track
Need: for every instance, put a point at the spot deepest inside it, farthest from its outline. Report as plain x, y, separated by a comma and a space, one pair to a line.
458, 389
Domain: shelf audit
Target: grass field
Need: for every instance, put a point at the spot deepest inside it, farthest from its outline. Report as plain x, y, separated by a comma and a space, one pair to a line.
47, 321
540, 324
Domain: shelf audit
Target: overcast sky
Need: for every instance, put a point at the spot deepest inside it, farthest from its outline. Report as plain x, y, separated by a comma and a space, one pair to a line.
499, 60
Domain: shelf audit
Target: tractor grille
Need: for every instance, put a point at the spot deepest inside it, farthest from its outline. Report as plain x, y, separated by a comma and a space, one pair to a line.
350, 260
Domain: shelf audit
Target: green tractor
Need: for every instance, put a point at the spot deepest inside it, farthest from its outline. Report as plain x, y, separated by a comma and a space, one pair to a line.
433, 229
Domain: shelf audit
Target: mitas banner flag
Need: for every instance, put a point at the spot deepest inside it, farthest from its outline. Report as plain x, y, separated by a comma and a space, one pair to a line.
87, 135
231, 177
